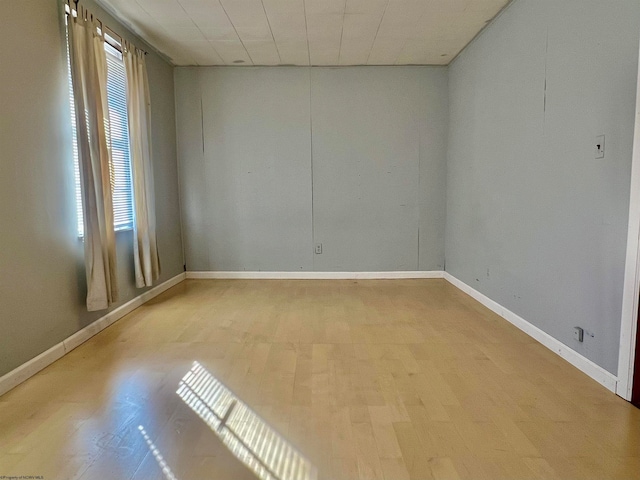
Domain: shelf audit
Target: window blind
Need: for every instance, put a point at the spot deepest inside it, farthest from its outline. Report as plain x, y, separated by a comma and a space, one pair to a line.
118, 137
74, 138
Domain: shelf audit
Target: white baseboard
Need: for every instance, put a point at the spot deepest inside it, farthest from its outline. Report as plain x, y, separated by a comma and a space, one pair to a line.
314, 275
33, 366
582, 363
18, 375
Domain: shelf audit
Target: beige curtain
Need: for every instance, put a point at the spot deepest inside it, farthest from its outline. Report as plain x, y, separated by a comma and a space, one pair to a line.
147, 262
89, 73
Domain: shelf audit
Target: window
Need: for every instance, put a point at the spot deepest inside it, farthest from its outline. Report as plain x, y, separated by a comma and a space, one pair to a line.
117, 138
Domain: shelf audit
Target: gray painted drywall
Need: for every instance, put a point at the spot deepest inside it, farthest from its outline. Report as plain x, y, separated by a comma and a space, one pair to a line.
245, 191
256, 168
534, 221
273, 160
42, 280
372, 144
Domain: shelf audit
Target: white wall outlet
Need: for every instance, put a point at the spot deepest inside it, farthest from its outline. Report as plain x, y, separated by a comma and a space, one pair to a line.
318, 249
599, 146
578, 334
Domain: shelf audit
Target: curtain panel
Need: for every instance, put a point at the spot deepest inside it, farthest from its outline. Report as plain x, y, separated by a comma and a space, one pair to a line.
146, 259
89, 78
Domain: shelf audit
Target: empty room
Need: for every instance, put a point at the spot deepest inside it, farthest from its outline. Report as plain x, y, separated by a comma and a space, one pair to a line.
319, 239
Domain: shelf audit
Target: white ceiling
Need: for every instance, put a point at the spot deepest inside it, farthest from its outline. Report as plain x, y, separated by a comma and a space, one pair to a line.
307, 32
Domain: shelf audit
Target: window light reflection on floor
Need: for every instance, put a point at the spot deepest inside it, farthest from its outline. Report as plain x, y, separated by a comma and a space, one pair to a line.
156, 454
244, 433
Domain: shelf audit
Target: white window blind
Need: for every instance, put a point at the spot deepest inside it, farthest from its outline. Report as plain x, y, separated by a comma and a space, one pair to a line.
118, 139
74, 139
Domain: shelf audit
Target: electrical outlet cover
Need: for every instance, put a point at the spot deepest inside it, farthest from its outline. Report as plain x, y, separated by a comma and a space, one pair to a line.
599, 146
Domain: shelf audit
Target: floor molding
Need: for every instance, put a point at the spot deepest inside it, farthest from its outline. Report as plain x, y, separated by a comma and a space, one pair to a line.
599, 374
314, 275
33, 366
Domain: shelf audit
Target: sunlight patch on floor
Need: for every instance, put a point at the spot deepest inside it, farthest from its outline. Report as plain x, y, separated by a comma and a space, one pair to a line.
245, 434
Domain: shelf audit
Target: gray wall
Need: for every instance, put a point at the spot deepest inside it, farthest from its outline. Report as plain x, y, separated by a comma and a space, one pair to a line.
274, 160
42, 282
534, 221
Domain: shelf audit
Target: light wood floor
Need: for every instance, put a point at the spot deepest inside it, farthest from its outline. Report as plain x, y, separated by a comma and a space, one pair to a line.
401, 379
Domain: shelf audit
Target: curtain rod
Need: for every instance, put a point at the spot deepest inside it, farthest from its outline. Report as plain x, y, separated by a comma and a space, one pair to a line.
105, 29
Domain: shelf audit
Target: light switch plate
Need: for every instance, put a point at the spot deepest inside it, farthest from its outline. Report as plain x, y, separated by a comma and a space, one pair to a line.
599, 146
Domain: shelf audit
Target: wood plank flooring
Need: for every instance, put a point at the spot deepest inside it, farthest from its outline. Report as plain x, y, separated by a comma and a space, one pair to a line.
393, 380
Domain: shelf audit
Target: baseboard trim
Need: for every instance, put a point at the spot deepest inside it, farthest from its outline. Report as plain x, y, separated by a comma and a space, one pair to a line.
25, 371
33, 366
599, 374
314, 275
